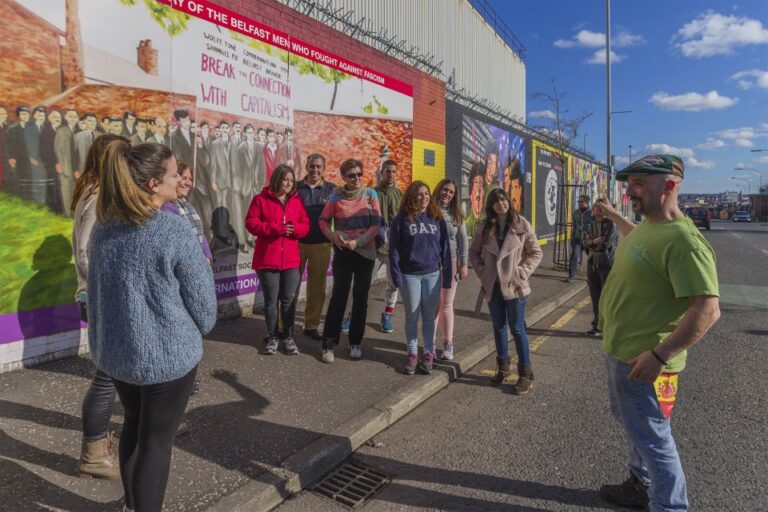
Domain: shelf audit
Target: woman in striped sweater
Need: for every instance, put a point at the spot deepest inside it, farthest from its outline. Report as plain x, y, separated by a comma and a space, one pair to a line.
356, 216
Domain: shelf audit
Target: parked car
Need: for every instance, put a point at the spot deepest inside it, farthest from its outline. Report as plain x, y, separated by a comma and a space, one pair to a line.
699, 216
741, 216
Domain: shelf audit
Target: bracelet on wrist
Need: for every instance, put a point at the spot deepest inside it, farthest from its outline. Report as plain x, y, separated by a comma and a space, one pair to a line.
658, 357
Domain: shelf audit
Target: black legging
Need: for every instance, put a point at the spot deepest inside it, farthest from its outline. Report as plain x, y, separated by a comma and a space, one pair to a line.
152, 416
98, 402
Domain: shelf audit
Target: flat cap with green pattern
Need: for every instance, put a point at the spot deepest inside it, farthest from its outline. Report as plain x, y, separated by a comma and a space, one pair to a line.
653, 164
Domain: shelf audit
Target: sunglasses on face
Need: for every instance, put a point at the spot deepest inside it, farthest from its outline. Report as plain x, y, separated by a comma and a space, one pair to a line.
353, 175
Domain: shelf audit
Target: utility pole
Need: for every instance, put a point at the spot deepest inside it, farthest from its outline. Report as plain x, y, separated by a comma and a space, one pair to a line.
608, 159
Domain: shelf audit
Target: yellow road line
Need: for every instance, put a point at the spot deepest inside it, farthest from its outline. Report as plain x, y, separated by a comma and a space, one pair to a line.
548, 333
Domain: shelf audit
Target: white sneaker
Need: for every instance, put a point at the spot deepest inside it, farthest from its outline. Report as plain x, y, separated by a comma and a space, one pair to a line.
355, 352
327, 356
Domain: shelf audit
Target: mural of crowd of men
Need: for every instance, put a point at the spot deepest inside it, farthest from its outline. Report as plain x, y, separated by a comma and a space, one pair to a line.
43, 152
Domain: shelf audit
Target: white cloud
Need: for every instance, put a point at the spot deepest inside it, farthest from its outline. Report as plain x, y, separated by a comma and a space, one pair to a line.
700, 164
692, 101
624, 39
743, 143
599, 57
621, 161
583, 39
760, 79
715, 34
589, 39
670, 150
745, 133
762, 160
542, 114
711, 143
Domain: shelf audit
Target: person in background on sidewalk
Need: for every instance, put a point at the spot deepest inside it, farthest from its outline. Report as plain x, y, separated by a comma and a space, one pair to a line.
97, 456
661, 297
315, 249
354, 211
581, 220
151, 297
420, 262
446, 198
504, 253
277, 218
390, 198
599, 242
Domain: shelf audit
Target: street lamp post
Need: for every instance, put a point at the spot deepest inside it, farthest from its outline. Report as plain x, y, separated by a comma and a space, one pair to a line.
630, 153
760, 174
749, 187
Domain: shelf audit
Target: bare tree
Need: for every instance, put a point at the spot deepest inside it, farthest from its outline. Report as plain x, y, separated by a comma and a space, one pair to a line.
559, 126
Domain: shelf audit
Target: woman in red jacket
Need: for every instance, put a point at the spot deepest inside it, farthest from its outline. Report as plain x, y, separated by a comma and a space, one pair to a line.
278, 220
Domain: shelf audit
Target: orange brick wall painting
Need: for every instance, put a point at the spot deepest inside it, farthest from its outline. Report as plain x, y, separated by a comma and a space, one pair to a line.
340, 137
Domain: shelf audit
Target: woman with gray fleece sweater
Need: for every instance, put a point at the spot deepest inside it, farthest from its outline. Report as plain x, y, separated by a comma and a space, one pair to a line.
150, 298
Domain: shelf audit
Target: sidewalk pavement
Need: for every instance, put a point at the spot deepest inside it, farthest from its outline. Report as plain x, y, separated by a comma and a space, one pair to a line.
262, 427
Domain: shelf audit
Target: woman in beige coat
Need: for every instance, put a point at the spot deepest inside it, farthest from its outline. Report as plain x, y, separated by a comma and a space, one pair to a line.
504, 253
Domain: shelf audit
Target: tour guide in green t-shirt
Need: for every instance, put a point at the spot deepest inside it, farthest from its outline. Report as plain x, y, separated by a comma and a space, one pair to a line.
661, 297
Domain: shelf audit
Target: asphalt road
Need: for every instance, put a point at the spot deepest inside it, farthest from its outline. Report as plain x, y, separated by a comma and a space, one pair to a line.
475, 447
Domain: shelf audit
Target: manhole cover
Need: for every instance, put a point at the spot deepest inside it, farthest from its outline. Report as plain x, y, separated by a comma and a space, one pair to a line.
352, 484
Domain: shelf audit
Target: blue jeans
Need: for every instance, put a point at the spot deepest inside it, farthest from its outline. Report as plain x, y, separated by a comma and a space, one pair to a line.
421, 296
653, 457
575, 260
509, 313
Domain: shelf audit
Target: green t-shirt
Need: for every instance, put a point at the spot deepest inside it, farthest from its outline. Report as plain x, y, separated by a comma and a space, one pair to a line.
658, 266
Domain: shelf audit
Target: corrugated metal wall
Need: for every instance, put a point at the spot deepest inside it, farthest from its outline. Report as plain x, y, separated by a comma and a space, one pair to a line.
472, 54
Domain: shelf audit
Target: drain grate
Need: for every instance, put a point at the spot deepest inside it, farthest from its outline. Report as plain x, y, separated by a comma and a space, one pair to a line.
352, 484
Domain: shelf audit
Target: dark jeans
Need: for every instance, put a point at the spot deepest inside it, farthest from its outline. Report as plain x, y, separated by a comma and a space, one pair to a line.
98, 402
279, 288
509, 313
152, 416
596, 278
348, 267
575, 260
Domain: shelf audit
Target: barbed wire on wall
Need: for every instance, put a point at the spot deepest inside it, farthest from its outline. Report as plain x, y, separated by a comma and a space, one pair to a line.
364, 30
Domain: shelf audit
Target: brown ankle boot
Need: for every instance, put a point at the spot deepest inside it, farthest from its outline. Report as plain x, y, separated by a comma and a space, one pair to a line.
97, 460
502, 371
525, 383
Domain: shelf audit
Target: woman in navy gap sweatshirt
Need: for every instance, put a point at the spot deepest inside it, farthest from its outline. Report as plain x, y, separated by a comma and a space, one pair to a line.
420, 262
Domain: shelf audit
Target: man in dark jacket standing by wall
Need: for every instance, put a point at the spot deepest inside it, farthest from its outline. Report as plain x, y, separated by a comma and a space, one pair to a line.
390, 198
315, 248
599, 242
581, 220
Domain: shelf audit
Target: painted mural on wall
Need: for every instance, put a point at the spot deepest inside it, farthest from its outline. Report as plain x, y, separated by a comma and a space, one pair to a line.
231, 97
548, 176
491, 157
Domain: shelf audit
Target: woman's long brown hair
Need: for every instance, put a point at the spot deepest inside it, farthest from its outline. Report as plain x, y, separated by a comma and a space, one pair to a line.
491, 220
409, 207
454, 207
89, 179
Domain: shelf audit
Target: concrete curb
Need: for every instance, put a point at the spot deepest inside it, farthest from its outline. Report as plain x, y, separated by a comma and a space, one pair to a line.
319, 457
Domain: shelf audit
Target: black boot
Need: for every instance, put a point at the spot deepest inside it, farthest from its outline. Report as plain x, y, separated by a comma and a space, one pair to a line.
502, 371
525, 381
631, 493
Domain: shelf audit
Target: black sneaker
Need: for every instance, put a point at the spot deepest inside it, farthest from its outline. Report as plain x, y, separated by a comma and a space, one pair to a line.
630, 494
595, 332
313, 334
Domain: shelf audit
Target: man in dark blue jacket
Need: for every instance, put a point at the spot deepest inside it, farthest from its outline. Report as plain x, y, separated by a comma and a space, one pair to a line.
315, 248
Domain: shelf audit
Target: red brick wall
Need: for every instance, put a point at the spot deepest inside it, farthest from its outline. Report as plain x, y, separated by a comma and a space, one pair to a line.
111, 100
428, 92
30, 56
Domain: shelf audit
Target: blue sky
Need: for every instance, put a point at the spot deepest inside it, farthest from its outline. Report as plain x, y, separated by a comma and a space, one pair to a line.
693, 73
